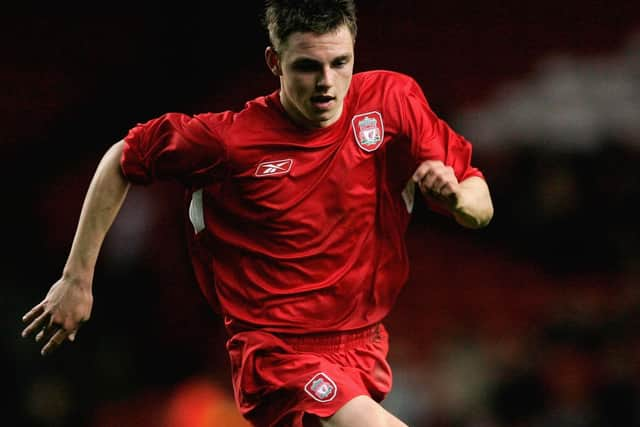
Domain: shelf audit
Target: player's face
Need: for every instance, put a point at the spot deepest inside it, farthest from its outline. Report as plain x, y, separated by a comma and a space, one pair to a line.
315, 74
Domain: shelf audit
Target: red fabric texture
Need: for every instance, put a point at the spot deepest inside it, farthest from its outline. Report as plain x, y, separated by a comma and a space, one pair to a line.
277, 379
289, 225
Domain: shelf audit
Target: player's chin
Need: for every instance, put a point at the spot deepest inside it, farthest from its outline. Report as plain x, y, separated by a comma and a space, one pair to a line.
323, 115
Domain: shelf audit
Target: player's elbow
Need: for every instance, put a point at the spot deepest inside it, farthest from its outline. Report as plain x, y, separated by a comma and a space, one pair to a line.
476, 219
484, 219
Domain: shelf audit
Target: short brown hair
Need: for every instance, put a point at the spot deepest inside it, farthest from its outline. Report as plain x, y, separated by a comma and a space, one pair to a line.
284, 17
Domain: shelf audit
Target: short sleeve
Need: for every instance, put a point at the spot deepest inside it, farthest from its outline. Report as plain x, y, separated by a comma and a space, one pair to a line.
431, 137
176, 146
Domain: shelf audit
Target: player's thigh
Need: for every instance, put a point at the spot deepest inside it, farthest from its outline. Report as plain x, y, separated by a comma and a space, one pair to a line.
362, 411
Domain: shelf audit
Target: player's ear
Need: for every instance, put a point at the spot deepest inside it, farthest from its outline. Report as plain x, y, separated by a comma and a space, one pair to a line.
273, 61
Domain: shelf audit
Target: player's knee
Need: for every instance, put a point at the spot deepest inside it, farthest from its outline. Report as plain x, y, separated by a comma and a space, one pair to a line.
362, 411
385, 421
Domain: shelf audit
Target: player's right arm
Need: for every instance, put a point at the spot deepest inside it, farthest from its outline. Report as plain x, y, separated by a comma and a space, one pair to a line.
69, 301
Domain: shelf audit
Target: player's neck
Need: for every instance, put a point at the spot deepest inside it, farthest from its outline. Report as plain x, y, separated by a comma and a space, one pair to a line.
294, 114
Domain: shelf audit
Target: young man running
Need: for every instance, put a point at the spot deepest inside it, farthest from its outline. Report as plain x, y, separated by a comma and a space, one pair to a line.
297, 207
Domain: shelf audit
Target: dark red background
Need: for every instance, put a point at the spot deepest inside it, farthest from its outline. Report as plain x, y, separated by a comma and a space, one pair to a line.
74, 83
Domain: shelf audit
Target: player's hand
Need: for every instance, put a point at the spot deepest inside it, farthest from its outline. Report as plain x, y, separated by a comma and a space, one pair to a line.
437, 181
59, 316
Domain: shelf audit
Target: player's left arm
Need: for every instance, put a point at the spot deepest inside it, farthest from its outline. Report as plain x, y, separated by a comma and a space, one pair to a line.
469, 200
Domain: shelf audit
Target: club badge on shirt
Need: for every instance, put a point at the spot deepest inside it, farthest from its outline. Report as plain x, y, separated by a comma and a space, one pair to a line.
368, 130
321, 387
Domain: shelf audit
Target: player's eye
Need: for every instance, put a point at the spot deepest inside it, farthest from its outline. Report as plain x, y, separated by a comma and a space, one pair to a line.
306, 66
340, 62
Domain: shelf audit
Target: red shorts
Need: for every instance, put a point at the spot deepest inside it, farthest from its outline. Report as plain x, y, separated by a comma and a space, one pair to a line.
277, 379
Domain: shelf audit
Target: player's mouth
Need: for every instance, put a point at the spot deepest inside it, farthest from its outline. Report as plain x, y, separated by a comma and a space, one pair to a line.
322, 102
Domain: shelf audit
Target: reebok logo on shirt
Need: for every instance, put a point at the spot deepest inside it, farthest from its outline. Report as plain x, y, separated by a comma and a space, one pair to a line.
275, 167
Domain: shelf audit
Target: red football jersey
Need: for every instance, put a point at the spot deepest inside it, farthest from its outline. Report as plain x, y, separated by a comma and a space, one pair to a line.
300, 230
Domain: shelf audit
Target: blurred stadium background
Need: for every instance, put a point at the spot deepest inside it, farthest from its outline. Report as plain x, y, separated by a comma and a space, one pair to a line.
533, 321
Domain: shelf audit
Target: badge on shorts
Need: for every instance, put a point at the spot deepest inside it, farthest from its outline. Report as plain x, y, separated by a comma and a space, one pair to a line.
368, 130
321, 387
